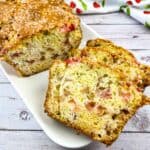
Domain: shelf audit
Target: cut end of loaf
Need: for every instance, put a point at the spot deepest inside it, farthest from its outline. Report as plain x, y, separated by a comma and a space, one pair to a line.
37, 53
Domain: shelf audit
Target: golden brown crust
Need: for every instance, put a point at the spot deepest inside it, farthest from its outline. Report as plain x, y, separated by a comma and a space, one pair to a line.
146, 78
59, 3
146, 100
26, 19
106, 140
97, 42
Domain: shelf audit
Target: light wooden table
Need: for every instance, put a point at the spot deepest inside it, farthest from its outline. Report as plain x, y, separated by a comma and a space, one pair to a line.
18, 128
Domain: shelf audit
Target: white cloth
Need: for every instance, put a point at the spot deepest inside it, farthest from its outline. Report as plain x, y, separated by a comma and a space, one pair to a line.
138, 9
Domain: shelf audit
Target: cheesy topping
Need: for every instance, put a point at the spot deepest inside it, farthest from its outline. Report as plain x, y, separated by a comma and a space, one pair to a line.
26, 19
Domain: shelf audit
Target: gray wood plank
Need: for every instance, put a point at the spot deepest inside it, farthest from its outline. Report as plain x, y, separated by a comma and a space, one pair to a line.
14, 140
14, 115
128, 36
107, 19
122, 30
7, 91
3, 77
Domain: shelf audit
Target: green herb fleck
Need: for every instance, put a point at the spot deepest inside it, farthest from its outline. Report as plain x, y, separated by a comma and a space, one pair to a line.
147, 24
45, 32
123, 7
105, 75
147, 6
84, 5
103, 3
128, 11
105, 59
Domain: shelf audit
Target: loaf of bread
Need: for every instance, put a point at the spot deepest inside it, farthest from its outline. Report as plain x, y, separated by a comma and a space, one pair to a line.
92, 98
34, 33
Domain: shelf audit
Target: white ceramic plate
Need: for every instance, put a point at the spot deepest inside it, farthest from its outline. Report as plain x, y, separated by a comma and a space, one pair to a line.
32, 90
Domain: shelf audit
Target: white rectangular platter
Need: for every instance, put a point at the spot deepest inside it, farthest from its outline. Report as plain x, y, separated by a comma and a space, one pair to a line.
32, 91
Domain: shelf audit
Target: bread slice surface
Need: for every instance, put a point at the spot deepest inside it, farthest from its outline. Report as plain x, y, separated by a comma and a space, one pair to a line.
92, 98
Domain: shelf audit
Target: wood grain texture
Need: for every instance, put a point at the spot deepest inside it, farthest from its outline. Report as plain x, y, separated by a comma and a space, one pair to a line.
27, 140
107, 19
128, 36
15, 116
18, 128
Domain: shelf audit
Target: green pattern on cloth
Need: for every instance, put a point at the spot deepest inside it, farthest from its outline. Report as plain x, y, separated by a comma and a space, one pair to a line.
147, 24
84, 5
137, 9
103, 3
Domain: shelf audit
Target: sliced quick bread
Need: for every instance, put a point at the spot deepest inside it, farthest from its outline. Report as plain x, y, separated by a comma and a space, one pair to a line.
91, 98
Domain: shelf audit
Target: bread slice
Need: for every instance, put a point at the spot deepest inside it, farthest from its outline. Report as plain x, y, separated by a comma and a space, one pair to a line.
91, 98
112, 48
34, 33
105, 52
